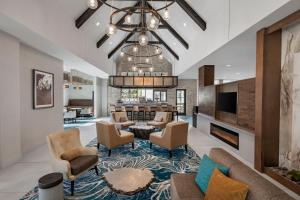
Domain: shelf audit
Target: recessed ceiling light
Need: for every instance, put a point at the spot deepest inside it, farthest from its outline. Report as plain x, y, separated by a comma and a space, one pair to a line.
184, 24
98, 24
228, 65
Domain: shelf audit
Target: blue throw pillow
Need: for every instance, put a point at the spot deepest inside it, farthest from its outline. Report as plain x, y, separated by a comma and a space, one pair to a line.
205, 172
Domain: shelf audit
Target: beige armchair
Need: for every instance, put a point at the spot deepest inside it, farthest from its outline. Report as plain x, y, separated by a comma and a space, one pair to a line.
161, 119
121, 120
109, 136
69, 156
173, 136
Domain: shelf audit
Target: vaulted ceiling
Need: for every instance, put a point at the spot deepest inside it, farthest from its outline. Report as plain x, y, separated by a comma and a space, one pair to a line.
152, 4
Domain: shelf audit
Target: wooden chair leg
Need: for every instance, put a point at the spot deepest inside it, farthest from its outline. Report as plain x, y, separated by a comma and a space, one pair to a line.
72, 188
150, 145
186, 147
109, 152
96, 170
98, 145
133, 145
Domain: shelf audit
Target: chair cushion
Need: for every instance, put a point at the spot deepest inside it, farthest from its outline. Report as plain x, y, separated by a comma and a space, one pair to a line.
183, 186
72, 153
222, 187
82, 163
205, 172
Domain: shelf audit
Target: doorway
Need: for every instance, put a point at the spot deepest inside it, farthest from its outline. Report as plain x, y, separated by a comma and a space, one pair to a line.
181, 101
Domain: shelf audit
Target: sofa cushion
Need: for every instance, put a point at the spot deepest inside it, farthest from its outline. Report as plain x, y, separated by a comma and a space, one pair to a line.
205, 172
222, 187
82, 163
184, 187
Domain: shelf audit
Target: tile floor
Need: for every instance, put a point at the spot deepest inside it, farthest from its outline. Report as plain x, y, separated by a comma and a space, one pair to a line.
18, 179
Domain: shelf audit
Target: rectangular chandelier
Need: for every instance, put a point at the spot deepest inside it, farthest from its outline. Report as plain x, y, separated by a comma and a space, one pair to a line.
143, 81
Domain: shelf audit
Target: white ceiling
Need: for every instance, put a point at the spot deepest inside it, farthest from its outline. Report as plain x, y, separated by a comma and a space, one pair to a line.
240, 52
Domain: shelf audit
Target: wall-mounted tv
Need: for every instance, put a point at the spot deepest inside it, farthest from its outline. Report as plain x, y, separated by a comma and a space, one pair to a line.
227, 102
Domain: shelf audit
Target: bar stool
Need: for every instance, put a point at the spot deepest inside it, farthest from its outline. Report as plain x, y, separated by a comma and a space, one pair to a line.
153, 112
147, 112
129, 112
135, 112
141, 113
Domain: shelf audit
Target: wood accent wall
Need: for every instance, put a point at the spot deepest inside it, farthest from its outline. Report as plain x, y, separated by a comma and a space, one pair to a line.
268, 79
246, 104
206, 90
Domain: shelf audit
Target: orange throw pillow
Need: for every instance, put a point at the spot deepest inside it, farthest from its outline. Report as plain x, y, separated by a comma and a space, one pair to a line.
221, 187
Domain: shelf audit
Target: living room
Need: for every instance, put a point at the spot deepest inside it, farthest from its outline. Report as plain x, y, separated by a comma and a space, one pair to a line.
146, 99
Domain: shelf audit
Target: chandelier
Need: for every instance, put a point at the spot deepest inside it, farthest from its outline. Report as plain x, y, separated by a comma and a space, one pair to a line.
149, 18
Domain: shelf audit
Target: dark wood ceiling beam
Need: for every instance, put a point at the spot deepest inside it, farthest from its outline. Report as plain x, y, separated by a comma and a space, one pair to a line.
120, 44
86, 15
165, 45
172, 30
192, 13
120, 22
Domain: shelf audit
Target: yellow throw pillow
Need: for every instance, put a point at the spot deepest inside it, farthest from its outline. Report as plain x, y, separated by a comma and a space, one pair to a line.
221, 187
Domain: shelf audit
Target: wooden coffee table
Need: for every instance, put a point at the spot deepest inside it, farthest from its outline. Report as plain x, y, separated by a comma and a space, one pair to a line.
142, 131
129, 180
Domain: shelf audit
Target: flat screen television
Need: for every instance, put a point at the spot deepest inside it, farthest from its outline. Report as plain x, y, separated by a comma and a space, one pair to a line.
227, 102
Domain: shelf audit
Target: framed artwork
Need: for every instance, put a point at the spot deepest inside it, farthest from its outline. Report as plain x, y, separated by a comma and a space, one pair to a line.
43, 89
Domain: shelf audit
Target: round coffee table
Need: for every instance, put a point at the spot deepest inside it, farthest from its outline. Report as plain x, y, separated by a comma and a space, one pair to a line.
142, 131
129, 180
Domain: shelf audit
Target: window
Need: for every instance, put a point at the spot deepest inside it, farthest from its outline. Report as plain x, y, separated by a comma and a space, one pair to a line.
133, 95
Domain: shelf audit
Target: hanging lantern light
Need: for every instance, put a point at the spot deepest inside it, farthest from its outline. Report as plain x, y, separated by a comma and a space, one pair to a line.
161, 57
147, 60
140, 71
151, 69
128, 19
143, 39
122, 54
166, 14
129, 58
111, 30
135, 49
153, 23
134, 68
92, 4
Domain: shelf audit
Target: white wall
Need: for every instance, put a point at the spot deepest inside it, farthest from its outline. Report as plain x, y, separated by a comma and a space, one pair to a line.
37, 124
22, 128
10, 136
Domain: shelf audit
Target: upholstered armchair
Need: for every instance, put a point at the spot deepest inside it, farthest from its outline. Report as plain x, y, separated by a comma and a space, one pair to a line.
69, 156
173, 136
121, 120
111, 137
161, 119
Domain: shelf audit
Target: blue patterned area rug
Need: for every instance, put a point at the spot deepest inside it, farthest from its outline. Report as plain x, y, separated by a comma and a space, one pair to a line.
90, 186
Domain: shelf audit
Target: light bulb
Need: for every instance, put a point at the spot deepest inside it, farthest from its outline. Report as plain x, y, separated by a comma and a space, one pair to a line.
122, 54
153, 23
151, 69
147, 60
160, 56
111, 29
92, 4
128, 19
143, 39
134, 68
140, 71
129, 59
135, 49
166, 15
157, 50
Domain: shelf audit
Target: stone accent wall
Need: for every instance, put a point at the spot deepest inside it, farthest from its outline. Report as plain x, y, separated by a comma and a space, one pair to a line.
191, 94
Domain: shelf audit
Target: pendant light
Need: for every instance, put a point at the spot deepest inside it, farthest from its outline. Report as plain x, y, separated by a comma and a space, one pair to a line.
166, 14
111, 30
92, 4
143, 39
